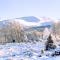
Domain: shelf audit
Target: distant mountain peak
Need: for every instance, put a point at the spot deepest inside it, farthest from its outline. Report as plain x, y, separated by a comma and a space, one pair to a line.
30, 19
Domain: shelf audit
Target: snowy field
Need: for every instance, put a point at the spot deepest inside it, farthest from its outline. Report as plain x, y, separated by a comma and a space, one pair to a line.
25, 51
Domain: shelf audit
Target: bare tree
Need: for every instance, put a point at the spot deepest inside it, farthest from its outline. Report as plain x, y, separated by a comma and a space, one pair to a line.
15, 31
56, 28
12, 32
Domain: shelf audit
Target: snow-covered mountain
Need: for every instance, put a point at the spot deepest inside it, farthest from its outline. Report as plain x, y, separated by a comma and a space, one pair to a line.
30, 21
34, 21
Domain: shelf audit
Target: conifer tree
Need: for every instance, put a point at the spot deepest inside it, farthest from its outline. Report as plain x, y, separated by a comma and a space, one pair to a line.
50, 43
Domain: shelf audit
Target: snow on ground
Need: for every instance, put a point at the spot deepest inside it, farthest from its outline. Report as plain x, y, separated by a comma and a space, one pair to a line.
24, 51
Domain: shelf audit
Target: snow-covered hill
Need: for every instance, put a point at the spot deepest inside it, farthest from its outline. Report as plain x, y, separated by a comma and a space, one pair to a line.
34, 21
30, 21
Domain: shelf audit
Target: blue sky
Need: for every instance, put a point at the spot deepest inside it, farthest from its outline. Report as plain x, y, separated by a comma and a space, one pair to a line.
19, 8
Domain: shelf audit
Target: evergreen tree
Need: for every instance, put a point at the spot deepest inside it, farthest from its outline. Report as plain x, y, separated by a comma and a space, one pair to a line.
50, 43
